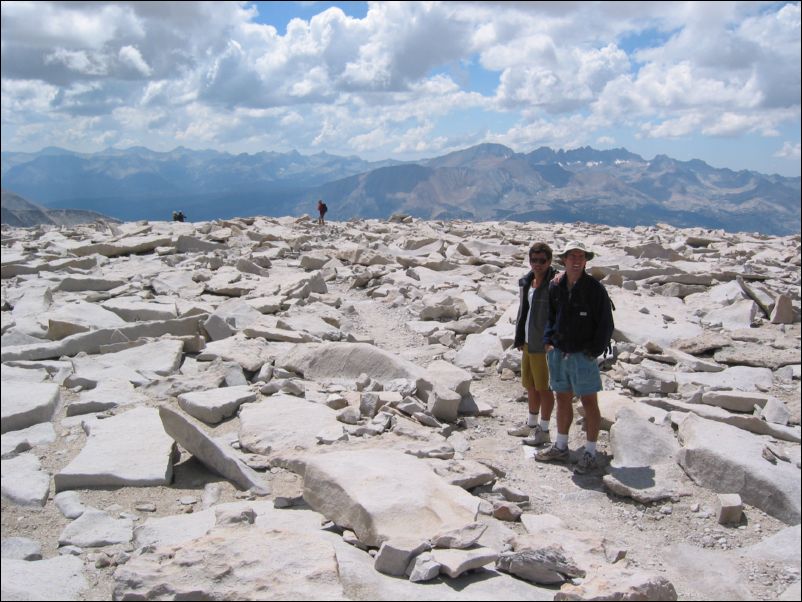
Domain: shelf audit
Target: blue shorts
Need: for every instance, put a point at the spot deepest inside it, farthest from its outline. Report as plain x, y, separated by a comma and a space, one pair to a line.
573, 372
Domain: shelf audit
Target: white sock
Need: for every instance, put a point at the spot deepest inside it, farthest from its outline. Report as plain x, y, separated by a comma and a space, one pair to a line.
562, 441
544, 426
590, 446
532, 420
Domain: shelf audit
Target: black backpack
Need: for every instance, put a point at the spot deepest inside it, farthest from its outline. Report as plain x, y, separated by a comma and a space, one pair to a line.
324, 208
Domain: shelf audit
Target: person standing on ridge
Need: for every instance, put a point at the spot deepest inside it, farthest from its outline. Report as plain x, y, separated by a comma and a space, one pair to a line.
579, 330
321, 209
533, 312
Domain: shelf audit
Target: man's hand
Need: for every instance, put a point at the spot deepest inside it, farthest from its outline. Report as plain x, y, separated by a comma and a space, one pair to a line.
548, 348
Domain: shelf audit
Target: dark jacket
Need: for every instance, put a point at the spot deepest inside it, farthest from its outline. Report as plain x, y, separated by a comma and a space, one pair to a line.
580, 320
537, 317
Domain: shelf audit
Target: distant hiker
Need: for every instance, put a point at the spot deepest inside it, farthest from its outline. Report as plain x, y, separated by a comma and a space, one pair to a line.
579, 329
321, 209
178, 216
533, 313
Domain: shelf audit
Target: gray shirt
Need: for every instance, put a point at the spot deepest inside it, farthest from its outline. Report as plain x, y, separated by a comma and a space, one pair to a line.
538, 315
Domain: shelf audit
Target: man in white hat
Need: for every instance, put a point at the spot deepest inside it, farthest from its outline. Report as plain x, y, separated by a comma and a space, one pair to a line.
578, 331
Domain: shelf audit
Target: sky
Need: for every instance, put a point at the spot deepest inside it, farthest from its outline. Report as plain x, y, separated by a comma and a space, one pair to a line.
716, 81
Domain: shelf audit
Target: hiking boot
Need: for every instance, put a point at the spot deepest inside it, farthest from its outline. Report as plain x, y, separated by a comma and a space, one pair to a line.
586, 463
538, 437
552, 454
520, 431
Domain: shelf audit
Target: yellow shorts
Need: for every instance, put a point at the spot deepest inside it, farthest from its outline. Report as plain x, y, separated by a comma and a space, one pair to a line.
534, 371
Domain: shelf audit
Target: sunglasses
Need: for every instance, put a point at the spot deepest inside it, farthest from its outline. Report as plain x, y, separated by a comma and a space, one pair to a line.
538, 260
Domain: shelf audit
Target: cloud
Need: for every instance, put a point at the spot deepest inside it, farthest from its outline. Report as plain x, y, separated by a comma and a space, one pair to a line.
131, 56
210, 74
674, 128
790, 150
79, 61
733, 124
574, 79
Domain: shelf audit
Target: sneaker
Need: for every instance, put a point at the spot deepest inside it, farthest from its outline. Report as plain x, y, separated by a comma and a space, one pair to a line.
520, 431
586, 463
552, 454
538, 437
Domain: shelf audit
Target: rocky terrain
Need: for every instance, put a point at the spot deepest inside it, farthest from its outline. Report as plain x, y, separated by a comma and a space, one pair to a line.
263, 408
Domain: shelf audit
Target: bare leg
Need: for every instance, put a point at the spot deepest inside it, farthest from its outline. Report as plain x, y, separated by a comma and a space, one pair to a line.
546, 404
565, 412
592, 416
533, 397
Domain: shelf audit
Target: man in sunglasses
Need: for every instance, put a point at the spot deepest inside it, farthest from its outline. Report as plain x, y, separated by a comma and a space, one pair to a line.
578, 331
533, 312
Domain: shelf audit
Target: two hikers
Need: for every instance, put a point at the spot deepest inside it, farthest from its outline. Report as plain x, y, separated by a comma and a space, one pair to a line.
576, 330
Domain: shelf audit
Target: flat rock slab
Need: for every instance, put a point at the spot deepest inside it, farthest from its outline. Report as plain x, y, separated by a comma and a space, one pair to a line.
251, 354
108, 394
15, 442
91, 342
80, 282
742, 378
784, 547
88, 373
740, 314
112, 457
637, 442
639, 327
747, 422
612, 402
715, 575
125, 246
180, 528
178, 282
450, 376
17, 373
479, 350
220, 458
25, 404
96, 529
173, 530
21, 548
283, 423
243, 562
214, 405
383, 494
23, 481
647, 484
161, 357
754, 354
727, 459
737, 401
59, 578
134, 309
80, 316
456, 562
320, 361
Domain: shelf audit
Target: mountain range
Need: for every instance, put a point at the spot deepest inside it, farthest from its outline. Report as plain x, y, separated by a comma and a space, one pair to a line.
484, 182
21, 213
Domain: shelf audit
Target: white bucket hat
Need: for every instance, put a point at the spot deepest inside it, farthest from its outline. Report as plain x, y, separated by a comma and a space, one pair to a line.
575, 245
